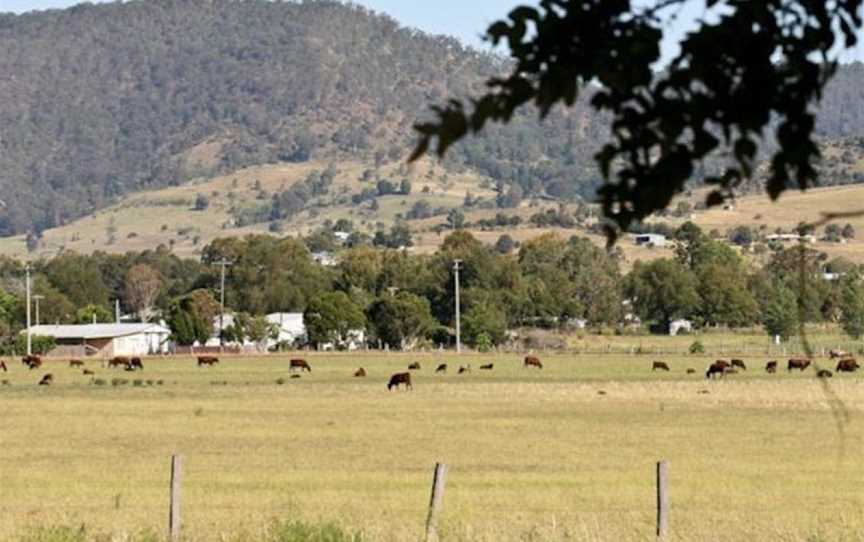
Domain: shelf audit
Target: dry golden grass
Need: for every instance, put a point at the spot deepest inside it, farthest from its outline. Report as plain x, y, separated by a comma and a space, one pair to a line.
534, 455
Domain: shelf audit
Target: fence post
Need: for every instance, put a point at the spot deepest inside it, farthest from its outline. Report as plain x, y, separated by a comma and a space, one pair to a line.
662, 499
174, 514
438, 482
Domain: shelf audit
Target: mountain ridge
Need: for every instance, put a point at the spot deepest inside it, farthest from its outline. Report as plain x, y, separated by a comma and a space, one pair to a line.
110, 99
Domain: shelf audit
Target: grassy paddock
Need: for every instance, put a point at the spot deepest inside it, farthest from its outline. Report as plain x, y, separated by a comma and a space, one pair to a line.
533, 455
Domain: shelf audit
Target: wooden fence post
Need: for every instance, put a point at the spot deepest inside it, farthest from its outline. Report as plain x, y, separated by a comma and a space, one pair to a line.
662, 499
438, 482
176, 480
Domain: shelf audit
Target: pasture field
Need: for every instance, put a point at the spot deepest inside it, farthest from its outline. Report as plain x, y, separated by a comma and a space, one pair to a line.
533, 455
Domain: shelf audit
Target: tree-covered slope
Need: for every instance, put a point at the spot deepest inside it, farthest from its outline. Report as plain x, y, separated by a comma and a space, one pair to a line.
100, 100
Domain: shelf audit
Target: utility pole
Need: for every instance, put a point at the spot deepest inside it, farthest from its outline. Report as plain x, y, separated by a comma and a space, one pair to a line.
456, 264
223, 263
36, 299
27, 288
116, 311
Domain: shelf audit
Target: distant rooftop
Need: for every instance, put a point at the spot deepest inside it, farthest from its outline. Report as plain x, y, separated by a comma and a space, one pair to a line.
96, 331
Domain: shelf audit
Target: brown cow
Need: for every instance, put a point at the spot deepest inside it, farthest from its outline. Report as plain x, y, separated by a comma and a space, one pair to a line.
719, 367
46, 380
207, 360
824, 373
771, 367
135, 363
3, 366
441, 368
797, 363
299, 364
414, 366
118, 361
400, 378
487, 367
659, 365
739, 363
532, 361
847, 365
360, 373
32, 362
464, 369
76, 363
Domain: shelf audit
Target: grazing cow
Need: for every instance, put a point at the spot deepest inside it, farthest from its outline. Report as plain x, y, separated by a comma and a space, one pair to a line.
414, 366
847, 365
838, 354
76, 363
824, 373
135, 363
441, 368
659, 365
3, 366
771, 367
719, 367
690, 370
532, 361
207, 360
464, 368
400, 378
299, 364
487, 367
46, 380
797, 363
118, 361
32, 362
360, 373
87, 372
739, 363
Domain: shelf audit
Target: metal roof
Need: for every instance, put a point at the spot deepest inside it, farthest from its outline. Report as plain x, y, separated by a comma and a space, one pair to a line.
97, 331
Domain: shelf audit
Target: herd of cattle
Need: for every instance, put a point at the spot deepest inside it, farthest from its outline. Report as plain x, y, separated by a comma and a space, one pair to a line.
718, 369
296, 364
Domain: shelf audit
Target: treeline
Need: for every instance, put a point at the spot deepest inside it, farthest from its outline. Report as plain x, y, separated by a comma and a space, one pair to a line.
134, 95
404, 300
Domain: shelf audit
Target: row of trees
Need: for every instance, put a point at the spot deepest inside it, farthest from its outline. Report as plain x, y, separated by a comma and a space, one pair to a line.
402, 299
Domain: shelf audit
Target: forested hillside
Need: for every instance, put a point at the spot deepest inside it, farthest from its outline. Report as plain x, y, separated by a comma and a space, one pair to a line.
102, 100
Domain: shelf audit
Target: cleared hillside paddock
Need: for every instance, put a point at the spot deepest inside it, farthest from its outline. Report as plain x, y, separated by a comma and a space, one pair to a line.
563, 453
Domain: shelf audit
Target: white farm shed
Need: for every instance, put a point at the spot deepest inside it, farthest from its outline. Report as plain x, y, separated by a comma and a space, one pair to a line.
106, 340
289, 326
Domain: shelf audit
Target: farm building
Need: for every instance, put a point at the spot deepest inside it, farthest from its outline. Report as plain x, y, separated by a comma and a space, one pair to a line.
790, 238
106, 340
650, 240
679, 326
289, 325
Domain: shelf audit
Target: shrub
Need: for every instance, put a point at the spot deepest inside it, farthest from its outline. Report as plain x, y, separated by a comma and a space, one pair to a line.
56, 534
483, 342
299, 531
99, 382
697, 348
280, 381
201, 202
